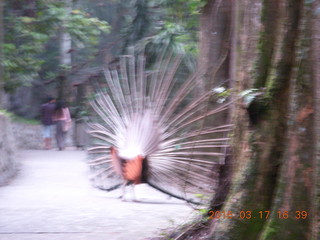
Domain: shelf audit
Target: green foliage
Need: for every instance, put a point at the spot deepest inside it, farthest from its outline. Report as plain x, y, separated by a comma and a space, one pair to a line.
183, 8
203, 211
186, 14
18, 119
175, 37
181, 24
27, 38
165, 24
84, 30
309, 1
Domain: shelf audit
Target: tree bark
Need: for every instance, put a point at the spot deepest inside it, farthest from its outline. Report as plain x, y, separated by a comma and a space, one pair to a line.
65, 57
214, 42
273, 192
1, 55
296, 179
315, 63
215, 37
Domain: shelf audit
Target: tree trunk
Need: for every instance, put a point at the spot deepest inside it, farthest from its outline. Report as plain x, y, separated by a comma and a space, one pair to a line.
294, 190
214, 42
215, 36
1, 55
65, 57
315, 64
273, 192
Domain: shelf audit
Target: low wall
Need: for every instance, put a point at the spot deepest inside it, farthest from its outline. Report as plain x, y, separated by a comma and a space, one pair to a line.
8, 149
30, 136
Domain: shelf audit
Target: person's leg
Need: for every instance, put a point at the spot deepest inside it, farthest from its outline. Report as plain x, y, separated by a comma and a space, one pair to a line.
63, 140
59, 134
50, 136
46, 137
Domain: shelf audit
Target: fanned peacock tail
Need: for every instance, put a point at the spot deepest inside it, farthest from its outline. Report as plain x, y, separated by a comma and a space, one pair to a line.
160, 117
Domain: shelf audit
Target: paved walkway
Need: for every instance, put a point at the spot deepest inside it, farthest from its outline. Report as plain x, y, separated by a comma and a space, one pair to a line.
51, 198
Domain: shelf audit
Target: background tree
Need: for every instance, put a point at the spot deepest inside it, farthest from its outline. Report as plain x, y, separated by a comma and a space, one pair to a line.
214, 42
65, 59
32, 35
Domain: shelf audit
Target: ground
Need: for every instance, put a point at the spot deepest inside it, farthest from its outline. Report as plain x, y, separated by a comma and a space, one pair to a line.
52, 198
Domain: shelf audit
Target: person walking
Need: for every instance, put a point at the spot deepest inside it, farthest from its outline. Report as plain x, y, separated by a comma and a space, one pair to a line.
62, 119
47, 110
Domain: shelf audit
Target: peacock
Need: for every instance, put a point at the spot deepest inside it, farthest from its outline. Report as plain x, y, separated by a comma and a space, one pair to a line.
155, 126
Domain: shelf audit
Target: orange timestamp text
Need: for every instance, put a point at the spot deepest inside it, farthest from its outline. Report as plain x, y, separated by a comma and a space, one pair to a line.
257, 214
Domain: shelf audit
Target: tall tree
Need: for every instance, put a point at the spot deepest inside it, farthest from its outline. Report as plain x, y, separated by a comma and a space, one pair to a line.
215, 35
274, 192
214, 41
1, 54
65, 54
31, 49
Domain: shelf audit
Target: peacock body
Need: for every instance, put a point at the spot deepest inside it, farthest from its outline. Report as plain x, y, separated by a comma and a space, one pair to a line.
155, 129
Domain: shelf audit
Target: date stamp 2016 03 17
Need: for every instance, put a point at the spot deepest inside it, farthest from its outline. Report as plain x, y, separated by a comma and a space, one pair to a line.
258, 215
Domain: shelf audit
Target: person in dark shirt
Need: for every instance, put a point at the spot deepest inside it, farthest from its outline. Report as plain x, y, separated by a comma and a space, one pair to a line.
47, 111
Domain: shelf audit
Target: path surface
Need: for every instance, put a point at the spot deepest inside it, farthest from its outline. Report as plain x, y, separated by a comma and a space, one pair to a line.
51, 198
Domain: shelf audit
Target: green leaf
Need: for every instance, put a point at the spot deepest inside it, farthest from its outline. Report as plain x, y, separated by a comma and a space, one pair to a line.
27, 19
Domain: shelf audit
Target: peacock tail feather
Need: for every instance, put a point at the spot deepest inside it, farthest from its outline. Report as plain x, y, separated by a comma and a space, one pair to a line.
157, 115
